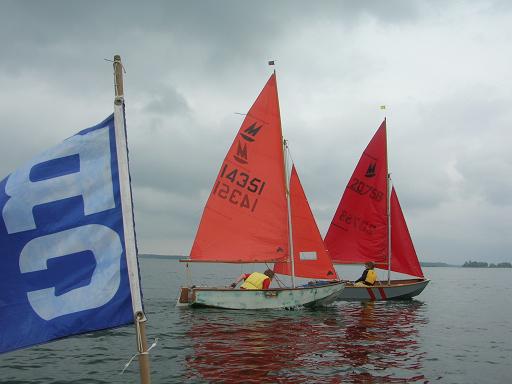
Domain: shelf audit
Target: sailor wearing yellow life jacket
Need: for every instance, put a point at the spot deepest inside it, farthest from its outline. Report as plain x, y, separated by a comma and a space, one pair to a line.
255, 280
369, 276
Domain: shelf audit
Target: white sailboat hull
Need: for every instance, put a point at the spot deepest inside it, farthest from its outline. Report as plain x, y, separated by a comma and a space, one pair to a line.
260, 299
396, 290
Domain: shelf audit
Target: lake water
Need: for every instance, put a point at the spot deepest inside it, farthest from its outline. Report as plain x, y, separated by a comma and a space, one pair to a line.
459, 330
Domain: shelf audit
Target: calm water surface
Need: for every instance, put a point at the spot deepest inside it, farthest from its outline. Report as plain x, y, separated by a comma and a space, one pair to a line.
459, 330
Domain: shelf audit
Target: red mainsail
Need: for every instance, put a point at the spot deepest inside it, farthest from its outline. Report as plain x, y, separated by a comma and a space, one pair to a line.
311, 259
403, 255
358, 231
245, 217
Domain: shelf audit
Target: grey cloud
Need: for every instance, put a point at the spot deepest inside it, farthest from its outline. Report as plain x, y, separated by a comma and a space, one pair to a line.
192, 65
167, 102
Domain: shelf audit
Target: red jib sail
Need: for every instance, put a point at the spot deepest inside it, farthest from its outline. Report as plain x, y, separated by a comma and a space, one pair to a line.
403, 255
358, 231
311, 259
245, 217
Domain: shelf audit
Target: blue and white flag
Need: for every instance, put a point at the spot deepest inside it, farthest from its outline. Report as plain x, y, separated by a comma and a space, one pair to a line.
63, 263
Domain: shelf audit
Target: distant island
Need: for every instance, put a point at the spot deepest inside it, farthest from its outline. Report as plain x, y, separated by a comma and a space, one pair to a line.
436, 264
483, 264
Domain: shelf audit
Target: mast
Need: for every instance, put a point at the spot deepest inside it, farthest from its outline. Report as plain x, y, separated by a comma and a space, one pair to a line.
128, 222
388, 205
288, 204
388, 201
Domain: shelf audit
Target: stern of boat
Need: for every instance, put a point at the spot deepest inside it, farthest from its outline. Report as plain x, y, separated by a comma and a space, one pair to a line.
185, 297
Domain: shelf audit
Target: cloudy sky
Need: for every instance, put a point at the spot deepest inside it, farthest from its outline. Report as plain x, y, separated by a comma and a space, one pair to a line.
442, 68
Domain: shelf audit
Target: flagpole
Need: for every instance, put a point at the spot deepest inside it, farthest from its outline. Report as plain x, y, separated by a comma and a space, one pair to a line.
128, 223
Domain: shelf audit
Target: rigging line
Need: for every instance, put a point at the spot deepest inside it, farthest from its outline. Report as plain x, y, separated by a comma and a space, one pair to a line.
278, 280
112, 61
290, 154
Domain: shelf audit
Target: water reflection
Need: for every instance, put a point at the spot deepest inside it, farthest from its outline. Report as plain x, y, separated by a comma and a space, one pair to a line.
381, 342
371, 342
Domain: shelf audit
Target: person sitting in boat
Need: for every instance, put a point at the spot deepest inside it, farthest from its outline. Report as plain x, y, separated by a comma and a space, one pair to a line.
369, 276
255, 280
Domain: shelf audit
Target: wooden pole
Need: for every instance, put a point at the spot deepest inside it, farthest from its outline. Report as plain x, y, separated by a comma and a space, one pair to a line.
142, 346
289, 209
388, 205
118, 76
288, 204
139, 317
388, 197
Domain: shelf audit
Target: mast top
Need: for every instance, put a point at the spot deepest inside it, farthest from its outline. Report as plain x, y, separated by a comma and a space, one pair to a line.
118, 77
272, 63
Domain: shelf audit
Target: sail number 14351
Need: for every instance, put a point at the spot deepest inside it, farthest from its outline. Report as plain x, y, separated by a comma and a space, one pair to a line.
239, 184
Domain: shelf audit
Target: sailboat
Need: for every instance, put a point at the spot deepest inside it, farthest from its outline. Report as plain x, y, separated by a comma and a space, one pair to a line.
369, 225
248, 217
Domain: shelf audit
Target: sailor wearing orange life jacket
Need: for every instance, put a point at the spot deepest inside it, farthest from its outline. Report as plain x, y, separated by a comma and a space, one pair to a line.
255, 280
369, 276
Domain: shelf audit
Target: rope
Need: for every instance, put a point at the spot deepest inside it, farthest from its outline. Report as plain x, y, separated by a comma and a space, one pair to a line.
279, 282
139, 353
112, 61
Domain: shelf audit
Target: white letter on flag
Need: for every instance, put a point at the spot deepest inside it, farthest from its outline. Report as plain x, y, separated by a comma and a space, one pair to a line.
103, 242
93, 181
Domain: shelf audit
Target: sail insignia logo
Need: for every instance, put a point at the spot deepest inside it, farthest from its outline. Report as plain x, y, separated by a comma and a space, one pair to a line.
241, 153
370, 172
250, 132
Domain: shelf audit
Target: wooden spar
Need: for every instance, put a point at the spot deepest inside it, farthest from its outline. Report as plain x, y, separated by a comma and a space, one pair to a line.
139, 317
231, 261
118, 76
287, 184
290, 229
359, 263
388, 187
142, 347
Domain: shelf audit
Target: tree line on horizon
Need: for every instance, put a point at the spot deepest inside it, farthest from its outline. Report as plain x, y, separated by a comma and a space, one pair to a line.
483, 264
